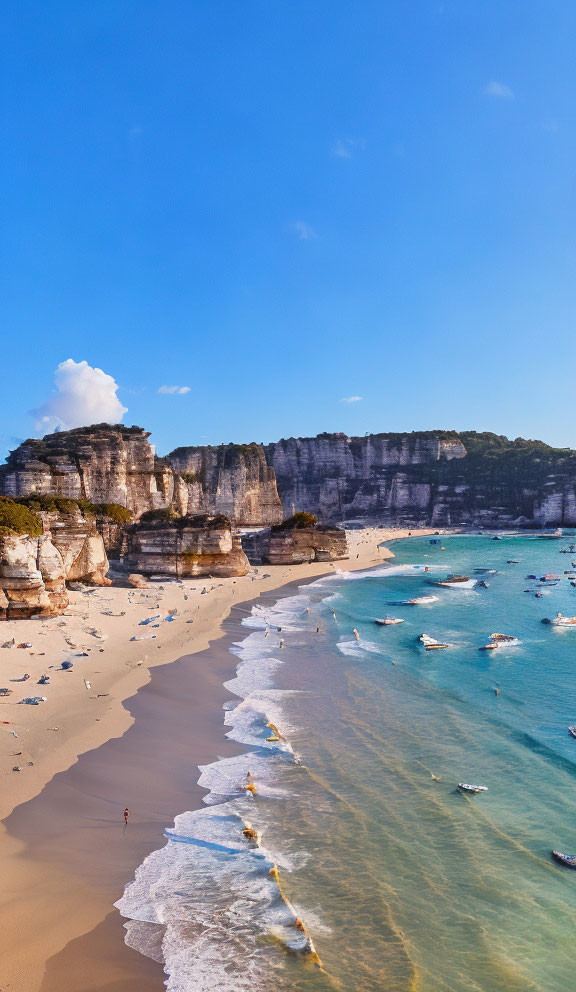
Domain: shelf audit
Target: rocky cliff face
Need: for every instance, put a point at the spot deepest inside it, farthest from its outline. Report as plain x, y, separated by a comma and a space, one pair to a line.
103, 464
32, 577
185, 547
438, 478
337, 477
294, 546
233, 479
81, 547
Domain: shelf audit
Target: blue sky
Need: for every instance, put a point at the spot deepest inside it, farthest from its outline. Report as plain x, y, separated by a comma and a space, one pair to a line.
282, 205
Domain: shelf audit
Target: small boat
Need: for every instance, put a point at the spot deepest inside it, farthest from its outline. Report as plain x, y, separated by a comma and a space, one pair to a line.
500, 640
416, 601
486, 571
496, 537
431, 644
456, 582
572, 730
387, 621
512, 561
475, 789
568, 860
561, 621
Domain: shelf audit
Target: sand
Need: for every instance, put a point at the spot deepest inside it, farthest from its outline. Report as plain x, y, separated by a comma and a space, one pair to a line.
58, 930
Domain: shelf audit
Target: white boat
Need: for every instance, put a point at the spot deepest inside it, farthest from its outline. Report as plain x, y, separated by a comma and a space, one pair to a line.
431, 644
387, 621
457, 582
560, 621
416, 601
500, 640
467, 787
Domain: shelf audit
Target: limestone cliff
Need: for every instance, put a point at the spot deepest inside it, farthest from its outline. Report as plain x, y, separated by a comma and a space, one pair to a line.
232, 479
102, 463
338, 477
32, 577
184, 547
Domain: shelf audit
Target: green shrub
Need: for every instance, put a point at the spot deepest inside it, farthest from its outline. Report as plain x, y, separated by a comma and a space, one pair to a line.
190, 477
299, 521
19, 519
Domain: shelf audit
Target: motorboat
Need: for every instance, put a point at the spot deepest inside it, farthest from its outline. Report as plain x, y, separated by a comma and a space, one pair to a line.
474, 789
512, 561
416, 601
561, 621
456, 582
387, 621
500, 640
486, 571
568, 860
572, 730
431, 644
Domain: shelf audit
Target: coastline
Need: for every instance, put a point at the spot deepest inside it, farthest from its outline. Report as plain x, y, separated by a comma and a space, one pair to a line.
64, 861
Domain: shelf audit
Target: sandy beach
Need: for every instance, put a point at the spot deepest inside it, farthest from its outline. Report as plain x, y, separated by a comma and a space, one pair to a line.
65, 854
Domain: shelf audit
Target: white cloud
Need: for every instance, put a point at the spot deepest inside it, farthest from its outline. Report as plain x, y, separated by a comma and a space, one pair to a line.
174, 390
351, 399
498, 90
83, 396
346, 148
303, 231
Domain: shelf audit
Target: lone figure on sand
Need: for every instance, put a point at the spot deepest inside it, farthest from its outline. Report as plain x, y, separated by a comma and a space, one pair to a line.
126, 815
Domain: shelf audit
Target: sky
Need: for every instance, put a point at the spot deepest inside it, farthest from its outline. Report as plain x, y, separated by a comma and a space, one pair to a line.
237, 221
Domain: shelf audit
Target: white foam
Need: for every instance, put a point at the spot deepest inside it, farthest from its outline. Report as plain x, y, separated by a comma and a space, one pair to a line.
202, 903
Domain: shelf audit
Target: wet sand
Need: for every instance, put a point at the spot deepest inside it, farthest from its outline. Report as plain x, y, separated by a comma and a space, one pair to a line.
152, 769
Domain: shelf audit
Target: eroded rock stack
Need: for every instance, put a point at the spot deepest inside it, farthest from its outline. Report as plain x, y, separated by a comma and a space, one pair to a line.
184, 547
32, 577
298, 541
81, 547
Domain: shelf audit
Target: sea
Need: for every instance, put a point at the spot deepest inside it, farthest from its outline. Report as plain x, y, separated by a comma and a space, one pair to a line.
364, 867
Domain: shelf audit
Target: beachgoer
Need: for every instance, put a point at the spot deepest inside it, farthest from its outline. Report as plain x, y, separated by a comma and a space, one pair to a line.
126, 815
356, 634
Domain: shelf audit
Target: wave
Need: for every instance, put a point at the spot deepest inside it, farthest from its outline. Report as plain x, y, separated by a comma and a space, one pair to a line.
202, 904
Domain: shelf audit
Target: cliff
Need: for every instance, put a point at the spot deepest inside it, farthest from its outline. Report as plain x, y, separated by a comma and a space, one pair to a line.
185, 547
102, 464
338, 477
434, 478
440, 478
232, 479
32, 577
40, 552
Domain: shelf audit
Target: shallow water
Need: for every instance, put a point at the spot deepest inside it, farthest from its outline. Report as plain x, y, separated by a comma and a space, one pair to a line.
400, 881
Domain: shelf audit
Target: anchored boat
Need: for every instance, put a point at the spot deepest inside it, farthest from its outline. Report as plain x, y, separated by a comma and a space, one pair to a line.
568, 860
467, 787
431, 644
456, 582
500, 640
387, 621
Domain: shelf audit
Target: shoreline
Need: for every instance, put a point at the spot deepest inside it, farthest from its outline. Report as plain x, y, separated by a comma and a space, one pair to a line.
46, 872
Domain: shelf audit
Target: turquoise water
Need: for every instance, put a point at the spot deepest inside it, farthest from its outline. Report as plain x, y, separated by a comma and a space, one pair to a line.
402, 882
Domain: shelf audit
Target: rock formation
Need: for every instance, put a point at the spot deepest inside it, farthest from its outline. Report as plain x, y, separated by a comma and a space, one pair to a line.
185, 547
338, 477
103, 464
80, 545
434, 478
32, 577
300, 540
232, 479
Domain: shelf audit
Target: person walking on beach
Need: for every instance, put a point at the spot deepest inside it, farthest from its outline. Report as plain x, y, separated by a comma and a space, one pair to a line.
126, 816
